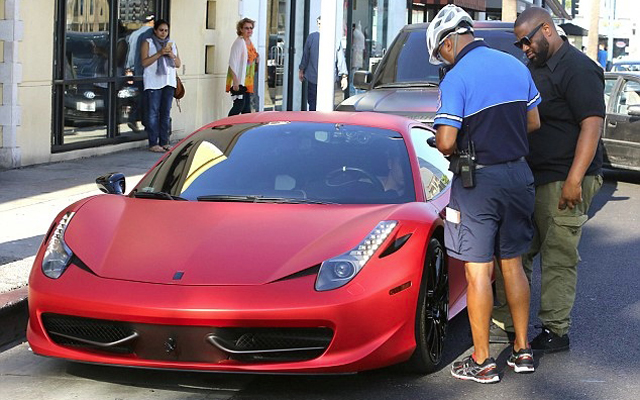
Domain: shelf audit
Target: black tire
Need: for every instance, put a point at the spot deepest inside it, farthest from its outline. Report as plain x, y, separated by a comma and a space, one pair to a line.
432, 311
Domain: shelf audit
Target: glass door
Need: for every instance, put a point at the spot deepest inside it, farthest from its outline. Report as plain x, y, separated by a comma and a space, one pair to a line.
276, 54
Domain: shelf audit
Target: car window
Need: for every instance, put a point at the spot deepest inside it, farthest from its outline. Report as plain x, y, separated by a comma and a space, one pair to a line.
434, 168
609, 84
502, 40
407, 60
629, 96
345, 164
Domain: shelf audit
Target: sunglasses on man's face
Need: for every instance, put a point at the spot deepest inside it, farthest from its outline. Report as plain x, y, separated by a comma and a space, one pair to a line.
526, 39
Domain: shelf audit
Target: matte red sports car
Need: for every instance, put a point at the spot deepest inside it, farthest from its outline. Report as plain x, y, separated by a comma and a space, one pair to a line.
271, 242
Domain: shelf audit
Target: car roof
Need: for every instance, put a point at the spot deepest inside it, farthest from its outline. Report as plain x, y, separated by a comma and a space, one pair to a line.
369, 119
482, 25
610, 74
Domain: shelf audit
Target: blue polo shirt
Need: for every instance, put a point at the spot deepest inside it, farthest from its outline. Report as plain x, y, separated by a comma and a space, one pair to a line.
486, 95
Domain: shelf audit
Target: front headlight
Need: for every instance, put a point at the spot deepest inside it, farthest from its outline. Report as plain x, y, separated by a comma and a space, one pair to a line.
58, 254
340, 270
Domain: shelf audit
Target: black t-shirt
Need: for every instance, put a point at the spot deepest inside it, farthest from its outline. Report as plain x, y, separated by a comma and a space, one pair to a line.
572, 89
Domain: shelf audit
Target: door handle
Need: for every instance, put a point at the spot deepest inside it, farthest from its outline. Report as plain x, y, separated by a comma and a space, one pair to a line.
612, 124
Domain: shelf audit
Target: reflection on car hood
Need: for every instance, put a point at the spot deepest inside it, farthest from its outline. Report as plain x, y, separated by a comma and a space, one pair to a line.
146, 240
419, 103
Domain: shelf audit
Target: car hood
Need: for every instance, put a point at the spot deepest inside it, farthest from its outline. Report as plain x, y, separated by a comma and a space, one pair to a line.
152, 241
417, 103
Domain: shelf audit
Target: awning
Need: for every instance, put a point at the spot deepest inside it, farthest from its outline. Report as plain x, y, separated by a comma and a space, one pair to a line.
573, 29
557, 9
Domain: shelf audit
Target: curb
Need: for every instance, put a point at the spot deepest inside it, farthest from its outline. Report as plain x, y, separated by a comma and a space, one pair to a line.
14, 314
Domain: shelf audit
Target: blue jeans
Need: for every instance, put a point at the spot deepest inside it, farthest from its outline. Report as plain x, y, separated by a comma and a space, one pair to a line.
159, 114
312, 95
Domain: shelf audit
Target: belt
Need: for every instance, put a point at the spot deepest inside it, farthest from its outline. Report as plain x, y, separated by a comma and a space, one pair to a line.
519, 159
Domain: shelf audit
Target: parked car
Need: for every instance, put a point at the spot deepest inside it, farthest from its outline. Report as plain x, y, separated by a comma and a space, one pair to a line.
405, 83
625, 64
265, 242
621, 136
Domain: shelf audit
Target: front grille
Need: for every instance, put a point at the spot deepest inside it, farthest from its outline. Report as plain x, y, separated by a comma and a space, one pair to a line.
95, 334
272, 344
203, 344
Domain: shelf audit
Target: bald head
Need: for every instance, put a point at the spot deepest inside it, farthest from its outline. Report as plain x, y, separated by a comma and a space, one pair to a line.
534, 16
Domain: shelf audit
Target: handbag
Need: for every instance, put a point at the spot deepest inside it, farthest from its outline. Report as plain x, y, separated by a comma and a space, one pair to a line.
179, 92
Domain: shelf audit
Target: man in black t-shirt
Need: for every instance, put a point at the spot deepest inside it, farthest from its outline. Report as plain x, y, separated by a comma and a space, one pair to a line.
566, 160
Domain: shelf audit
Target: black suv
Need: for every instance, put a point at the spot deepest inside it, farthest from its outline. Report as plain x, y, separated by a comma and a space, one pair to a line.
405, 83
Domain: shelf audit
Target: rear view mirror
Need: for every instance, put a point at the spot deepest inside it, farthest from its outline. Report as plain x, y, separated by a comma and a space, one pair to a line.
634, 110
362, 79
112, 183
432, 142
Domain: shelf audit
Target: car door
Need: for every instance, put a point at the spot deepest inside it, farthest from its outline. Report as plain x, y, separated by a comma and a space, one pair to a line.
622, 129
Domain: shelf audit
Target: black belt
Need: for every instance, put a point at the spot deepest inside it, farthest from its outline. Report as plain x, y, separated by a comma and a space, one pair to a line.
479, 166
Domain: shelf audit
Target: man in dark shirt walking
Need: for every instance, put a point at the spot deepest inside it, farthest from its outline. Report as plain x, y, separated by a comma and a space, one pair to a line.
566, 160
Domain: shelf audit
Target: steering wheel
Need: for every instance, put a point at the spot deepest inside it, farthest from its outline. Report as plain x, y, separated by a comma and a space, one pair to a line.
350, 175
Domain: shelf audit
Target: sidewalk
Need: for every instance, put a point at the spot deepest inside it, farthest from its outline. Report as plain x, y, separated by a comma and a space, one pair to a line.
31, 197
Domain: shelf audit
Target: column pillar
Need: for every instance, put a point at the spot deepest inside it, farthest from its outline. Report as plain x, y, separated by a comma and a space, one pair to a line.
11, 32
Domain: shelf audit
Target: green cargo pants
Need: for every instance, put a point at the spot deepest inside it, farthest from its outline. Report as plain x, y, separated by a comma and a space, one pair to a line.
556, 237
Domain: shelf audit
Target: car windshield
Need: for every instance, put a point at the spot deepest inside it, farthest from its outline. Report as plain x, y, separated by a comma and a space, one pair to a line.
286, 162
407, 60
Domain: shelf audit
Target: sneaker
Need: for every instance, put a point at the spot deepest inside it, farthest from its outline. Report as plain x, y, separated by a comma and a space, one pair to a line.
499, 335
521, 361
549, 342
468, 370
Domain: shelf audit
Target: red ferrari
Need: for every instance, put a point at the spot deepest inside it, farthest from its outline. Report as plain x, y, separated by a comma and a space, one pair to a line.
294, 242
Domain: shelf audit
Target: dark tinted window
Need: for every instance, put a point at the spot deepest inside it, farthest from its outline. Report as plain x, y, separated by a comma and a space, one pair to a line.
407, 60
344, 164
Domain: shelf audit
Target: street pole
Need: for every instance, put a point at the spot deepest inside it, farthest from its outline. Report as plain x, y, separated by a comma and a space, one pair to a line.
592, 38
611, 33
326, 57
509, 10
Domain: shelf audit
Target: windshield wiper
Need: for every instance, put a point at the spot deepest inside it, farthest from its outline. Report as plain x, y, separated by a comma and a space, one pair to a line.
407, 85
259, 199
157, 196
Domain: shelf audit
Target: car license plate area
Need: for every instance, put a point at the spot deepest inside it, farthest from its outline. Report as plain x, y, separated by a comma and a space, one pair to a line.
176, 343
87, 106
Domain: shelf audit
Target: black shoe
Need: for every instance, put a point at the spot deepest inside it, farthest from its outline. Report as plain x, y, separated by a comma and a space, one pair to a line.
521, 361
467, 369
499, 335
549, 342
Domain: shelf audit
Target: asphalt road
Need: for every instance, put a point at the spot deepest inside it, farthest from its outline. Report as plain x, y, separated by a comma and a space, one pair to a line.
603, 363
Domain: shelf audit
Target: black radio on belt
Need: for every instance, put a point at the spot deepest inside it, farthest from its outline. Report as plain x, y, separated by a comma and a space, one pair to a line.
464, 164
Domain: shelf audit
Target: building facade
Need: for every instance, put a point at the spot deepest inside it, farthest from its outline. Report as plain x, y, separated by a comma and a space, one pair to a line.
71, 89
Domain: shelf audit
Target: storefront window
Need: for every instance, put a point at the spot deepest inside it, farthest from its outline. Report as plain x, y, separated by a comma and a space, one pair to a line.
97, 88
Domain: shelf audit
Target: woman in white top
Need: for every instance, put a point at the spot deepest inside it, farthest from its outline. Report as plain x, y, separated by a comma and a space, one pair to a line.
160, 59
242, 68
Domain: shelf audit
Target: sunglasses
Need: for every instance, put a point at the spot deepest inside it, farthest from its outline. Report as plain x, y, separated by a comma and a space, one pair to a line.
526, 39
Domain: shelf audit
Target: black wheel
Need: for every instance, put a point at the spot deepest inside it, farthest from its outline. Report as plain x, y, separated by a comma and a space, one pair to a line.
432, 311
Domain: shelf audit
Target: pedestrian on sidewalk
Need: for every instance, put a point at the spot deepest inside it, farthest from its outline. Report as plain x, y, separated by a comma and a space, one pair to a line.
242, 68
489, 212
566, 160
308, 68
160, 59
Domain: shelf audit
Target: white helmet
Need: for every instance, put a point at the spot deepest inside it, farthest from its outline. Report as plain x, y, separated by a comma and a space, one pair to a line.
444, 23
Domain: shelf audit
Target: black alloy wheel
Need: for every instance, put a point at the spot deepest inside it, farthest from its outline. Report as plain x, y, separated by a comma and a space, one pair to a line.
432, 311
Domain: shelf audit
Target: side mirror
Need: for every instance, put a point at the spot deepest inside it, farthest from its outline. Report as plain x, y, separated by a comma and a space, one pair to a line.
634, 110
362, 79
432, 142
112, 183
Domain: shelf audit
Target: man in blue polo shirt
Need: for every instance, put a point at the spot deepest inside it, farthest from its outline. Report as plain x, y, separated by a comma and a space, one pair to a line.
488, 104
